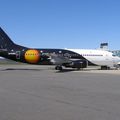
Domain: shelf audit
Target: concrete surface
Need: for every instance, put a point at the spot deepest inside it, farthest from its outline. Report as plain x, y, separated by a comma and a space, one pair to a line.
41, 93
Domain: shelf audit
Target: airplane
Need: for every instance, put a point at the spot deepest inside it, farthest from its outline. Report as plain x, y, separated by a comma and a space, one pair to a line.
73, 58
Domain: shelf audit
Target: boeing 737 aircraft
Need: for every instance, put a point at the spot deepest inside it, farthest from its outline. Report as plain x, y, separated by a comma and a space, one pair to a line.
74, 58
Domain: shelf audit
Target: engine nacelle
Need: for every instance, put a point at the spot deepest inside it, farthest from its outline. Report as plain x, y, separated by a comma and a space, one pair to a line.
77, 64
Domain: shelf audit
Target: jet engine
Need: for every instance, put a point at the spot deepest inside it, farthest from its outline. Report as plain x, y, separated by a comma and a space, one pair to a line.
77, 64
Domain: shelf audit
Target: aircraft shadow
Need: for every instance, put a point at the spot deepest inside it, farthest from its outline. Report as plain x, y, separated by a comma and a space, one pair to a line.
67, 70
71, 70
10, 69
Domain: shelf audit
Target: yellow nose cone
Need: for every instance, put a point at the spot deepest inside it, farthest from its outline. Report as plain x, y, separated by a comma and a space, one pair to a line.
32, 56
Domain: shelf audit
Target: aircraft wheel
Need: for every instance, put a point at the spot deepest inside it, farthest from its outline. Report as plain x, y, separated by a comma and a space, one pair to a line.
78, 69
58, 68
105, 68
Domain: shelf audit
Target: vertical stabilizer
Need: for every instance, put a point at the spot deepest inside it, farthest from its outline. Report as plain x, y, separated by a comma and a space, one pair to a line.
5, 41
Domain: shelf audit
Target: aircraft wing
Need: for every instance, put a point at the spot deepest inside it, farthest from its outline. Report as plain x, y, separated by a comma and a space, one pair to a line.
67, 62
58, 60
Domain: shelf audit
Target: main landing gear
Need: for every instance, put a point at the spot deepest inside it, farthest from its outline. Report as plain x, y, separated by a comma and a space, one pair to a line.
105, 68
59, 67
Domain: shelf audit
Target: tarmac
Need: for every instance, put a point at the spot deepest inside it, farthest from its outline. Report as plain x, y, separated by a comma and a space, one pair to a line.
30, 92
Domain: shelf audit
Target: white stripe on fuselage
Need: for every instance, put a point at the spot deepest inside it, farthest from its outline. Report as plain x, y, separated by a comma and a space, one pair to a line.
98, 57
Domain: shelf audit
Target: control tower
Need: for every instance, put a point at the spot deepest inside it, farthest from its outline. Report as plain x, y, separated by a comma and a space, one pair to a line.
104, 46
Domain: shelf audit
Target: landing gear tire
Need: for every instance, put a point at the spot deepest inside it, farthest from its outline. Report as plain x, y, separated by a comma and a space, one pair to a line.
78, 69
58, 68
105, 68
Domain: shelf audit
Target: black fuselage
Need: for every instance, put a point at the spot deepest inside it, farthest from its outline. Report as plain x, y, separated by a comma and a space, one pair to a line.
36, 56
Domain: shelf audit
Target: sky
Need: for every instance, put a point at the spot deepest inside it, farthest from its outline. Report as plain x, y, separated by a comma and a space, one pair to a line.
62, 23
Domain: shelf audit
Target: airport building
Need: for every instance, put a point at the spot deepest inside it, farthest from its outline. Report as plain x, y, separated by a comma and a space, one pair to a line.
116, 52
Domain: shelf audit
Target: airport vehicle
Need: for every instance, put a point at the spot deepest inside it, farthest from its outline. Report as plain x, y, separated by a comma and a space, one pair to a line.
74, 58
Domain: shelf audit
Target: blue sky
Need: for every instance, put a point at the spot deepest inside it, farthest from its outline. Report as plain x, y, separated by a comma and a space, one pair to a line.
62, 23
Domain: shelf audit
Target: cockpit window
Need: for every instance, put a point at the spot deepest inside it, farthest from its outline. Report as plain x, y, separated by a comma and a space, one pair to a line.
114, 54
